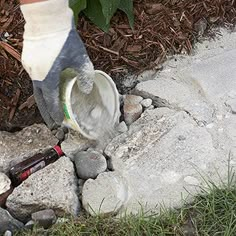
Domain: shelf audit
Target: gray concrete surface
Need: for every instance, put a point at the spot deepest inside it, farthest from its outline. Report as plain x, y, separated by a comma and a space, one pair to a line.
190, 134
14, 147
53, 187
105, 195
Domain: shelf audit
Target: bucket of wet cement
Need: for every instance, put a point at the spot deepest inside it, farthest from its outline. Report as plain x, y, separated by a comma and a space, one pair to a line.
93, 115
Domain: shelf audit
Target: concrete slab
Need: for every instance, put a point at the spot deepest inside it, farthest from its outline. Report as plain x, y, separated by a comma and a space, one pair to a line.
192, 132
161, 156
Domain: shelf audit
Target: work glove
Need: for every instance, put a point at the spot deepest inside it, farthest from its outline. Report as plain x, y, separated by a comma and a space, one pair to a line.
52, 44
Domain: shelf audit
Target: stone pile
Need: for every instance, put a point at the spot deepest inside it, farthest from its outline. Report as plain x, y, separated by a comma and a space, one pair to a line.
57, 189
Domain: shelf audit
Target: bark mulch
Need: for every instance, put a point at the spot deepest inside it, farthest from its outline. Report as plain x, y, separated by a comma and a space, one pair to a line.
162, 28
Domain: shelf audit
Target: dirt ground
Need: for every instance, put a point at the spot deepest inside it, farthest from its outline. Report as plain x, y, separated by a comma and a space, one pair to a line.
162, 28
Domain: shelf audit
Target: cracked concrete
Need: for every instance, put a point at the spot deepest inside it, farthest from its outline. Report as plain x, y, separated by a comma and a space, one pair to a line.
191, 133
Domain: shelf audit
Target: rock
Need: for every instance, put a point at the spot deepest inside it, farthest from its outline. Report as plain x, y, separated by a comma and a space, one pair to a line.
160, 156
62, 220
14, 147
30, 224
146, 102
8, 233
122, 127
5, 183
89, 164
7, 222
75, 143
132, 99
132, 108
60, 133
105, 195
200, 26
5, 188
44, 218
150, 108
54, 187
132, 112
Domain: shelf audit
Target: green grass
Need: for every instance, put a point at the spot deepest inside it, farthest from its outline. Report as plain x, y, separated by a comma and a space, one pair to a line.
212, 212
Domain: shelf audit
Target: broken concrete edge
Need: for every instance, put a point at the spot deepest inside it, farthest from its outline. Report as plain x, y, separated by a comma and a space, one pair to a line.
200, 116
111, 194
121, 209
186, 196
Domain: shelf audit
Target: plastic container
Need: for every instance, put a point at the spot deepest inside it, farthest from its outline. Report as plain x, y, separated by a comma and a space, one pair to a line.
108, 93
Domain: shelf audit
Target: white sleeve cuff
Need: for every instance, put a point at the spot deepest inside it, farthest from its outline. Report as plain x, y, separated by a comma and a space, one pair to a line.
46, 18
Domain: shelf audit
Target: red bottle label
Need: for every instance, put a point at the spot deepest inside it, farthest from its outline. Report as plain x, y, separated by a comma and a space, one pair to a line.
33, 169
25, 175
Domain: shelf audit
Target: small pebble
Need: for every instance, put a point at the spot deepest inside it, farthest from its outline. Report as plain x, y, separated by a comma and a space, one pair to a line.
29, 224
200, 26
44, 218
89, 164
146, 102
8, 233
5, 183
132, 112
6, 35
122, 127
132, 99
60, 133
150, 107
30, 141
62, 220
5, 188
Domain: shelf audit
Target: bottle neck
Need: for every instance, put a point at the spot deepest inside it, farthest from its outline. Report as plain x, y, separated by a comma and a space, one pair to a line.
58, 150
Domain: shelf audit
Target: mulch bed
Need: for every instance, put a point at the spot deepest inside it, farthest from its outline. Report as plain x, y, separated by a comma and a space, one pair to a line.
162, 28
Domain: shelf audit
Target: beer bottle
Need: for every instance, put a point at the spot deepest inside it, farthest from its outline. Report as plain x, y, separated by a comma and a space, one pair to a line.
24, 169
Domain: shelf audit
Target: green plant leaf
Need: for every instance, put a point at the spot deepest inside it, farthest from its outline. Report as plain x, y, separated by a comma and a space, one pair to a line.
77, 6
94, 12
109, 7
127, 7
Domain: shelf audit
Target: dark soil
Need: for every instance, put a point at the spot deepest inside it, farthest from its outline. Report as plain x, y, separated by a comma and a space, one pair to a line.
162, 27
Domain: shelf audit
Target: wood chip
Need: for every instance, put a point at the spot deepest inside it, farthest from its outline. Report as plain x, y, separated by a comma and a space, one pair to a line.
28, 103
10, 50
134, 48
14, 104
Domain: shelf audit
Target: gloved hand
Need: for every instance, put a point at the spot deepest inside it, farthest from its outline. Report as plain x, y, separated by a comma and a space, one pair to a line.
52, 44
